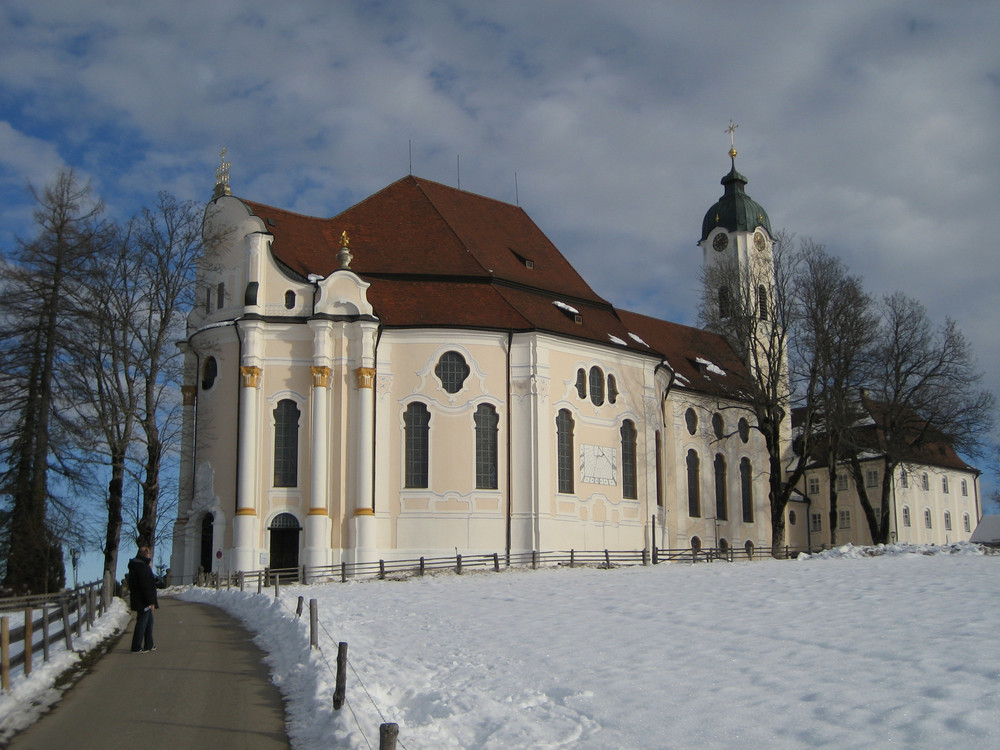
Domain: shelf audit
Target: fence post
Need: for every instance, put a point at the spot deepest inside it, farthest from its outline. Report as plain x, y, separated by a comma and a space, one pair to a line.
241, 577
381, 570
534, 559
303, 580
421, 565
458, 564
45, 632
5, 653
645, 556
277, 585
387, 735
298, 607
260, 582
343, 572
341, 689
607, 559
28, 640
313, 623
65, 616
496, 562
572, 558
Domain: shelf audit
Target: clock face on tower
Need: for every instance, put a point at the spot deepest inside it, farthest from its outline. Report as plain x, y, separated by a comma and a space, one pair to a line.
759, 242
721, 241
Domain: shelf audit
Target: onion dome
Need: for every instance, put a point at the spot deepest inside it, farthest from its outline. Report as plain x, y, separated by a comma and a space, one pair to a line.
735, 211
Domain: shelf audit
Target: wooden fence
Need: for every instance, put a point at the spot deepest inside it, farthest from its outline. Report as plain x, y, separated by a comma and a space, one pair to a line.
497, 561
48, 621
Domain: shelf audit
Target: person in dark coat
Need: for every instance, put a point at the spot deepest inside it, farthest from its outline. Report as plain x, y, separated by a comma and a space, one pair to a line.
142, 597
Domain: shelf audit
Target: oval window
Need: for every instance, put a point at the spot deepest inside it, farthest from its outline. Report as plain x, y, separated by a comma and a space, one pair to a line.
209, 373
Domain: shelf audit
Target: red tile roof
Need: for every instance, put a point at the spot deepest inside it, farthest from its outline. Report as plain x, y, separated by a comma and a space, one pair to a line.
437, 256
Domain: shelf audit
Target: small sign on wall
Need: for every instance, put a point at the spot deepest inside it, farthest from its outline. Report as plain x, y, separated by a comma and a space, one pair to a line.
265, 558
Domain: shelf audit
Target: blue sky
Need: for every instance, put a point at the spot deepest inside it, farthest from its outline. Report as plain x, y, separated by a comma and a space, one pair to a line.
867, 126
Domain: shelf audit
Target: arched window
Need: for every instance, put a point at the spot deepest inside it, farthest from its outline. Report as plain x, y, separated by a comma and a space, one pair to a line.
762, 301
289, 299
744, 430
947, 520
207, 542
695, 544
746, 489
906, 515
452, 371
721, 499
612, 389
286, 444
925, 482
285, 530
629, 484
723, 545
927, 518
564, 450
596, 386
749, 549
209, 373
691, 419
966, 522
965, 488
416, 424
725, 303
694, 484
581, 383
486, 447
944, 485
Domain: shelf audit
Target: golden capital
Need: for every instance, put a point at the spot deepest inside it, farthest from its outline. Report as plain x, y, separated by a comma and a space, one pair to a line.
365, 376
188, 392
250, 375
318, 512
364, 512
321, 376
246, 512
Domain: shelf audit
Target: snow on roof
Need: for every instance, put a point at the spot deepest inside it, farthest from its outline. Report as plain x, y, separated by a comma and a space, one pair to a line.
616, 340
568, 308
639, 340
988, 531
710, 366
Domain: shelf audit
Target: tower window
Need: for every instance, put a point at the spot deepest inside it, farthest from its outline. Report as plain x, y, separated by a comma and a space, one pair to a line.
209, 373
762, 301
289, 299
220, 295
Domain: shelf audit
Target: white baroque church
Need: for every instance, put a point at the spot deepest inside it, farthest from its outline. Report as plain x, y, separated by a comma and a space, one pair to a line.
426, 373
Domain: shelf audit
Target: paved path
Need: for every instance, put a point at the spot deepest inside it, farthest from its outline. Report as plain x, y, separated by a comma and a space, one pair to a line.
205, 686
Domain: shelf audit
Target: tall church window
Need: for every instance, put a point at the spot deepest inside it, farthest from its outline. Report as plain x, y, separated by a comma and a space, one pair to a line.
721, 499
746, 489
612, 389
564, 450
694, 484
596, 386
416, 425
629, 484
286, 444
725, 302
659, 472
581, 383
486, 447
762, 301
718, 426
452, 371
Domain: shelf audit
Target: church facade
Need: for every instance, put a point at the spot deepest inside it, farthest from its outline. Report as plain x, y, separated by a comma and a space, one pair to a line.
426, 373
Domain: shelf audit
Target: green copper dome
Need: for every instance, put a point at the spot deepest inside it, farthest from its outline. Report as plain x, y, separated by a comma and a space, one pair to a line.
735, 211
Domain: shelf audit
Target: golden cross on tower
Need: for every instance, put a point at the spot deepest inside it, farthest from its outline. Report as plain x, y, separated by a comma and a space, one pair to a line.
222, 171
732, 138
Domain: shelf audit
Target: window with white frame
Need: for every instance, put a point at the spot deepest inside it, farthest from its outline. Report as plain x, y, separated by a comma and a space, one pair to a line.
925, 482
965, 488
944, 485
904, 478
947, 520
815, 521
906, 515
843, 519
966, 523
841, 482
927, 518
871, 478
813, 485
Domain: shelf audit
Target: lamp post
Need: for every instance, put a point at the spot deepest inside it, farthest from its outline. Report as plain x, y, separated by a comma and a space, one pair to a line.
74, 555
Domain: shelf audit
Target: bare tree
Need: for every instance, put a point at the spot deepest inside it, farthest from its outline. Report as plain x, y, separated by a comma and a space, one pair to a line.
39, 279
834, 326
923, 393
170, 237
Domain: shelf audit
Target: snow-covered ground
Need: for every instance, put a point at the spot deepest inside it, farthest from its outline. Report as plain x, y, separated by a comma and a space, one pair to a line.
31, 696
840, 650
